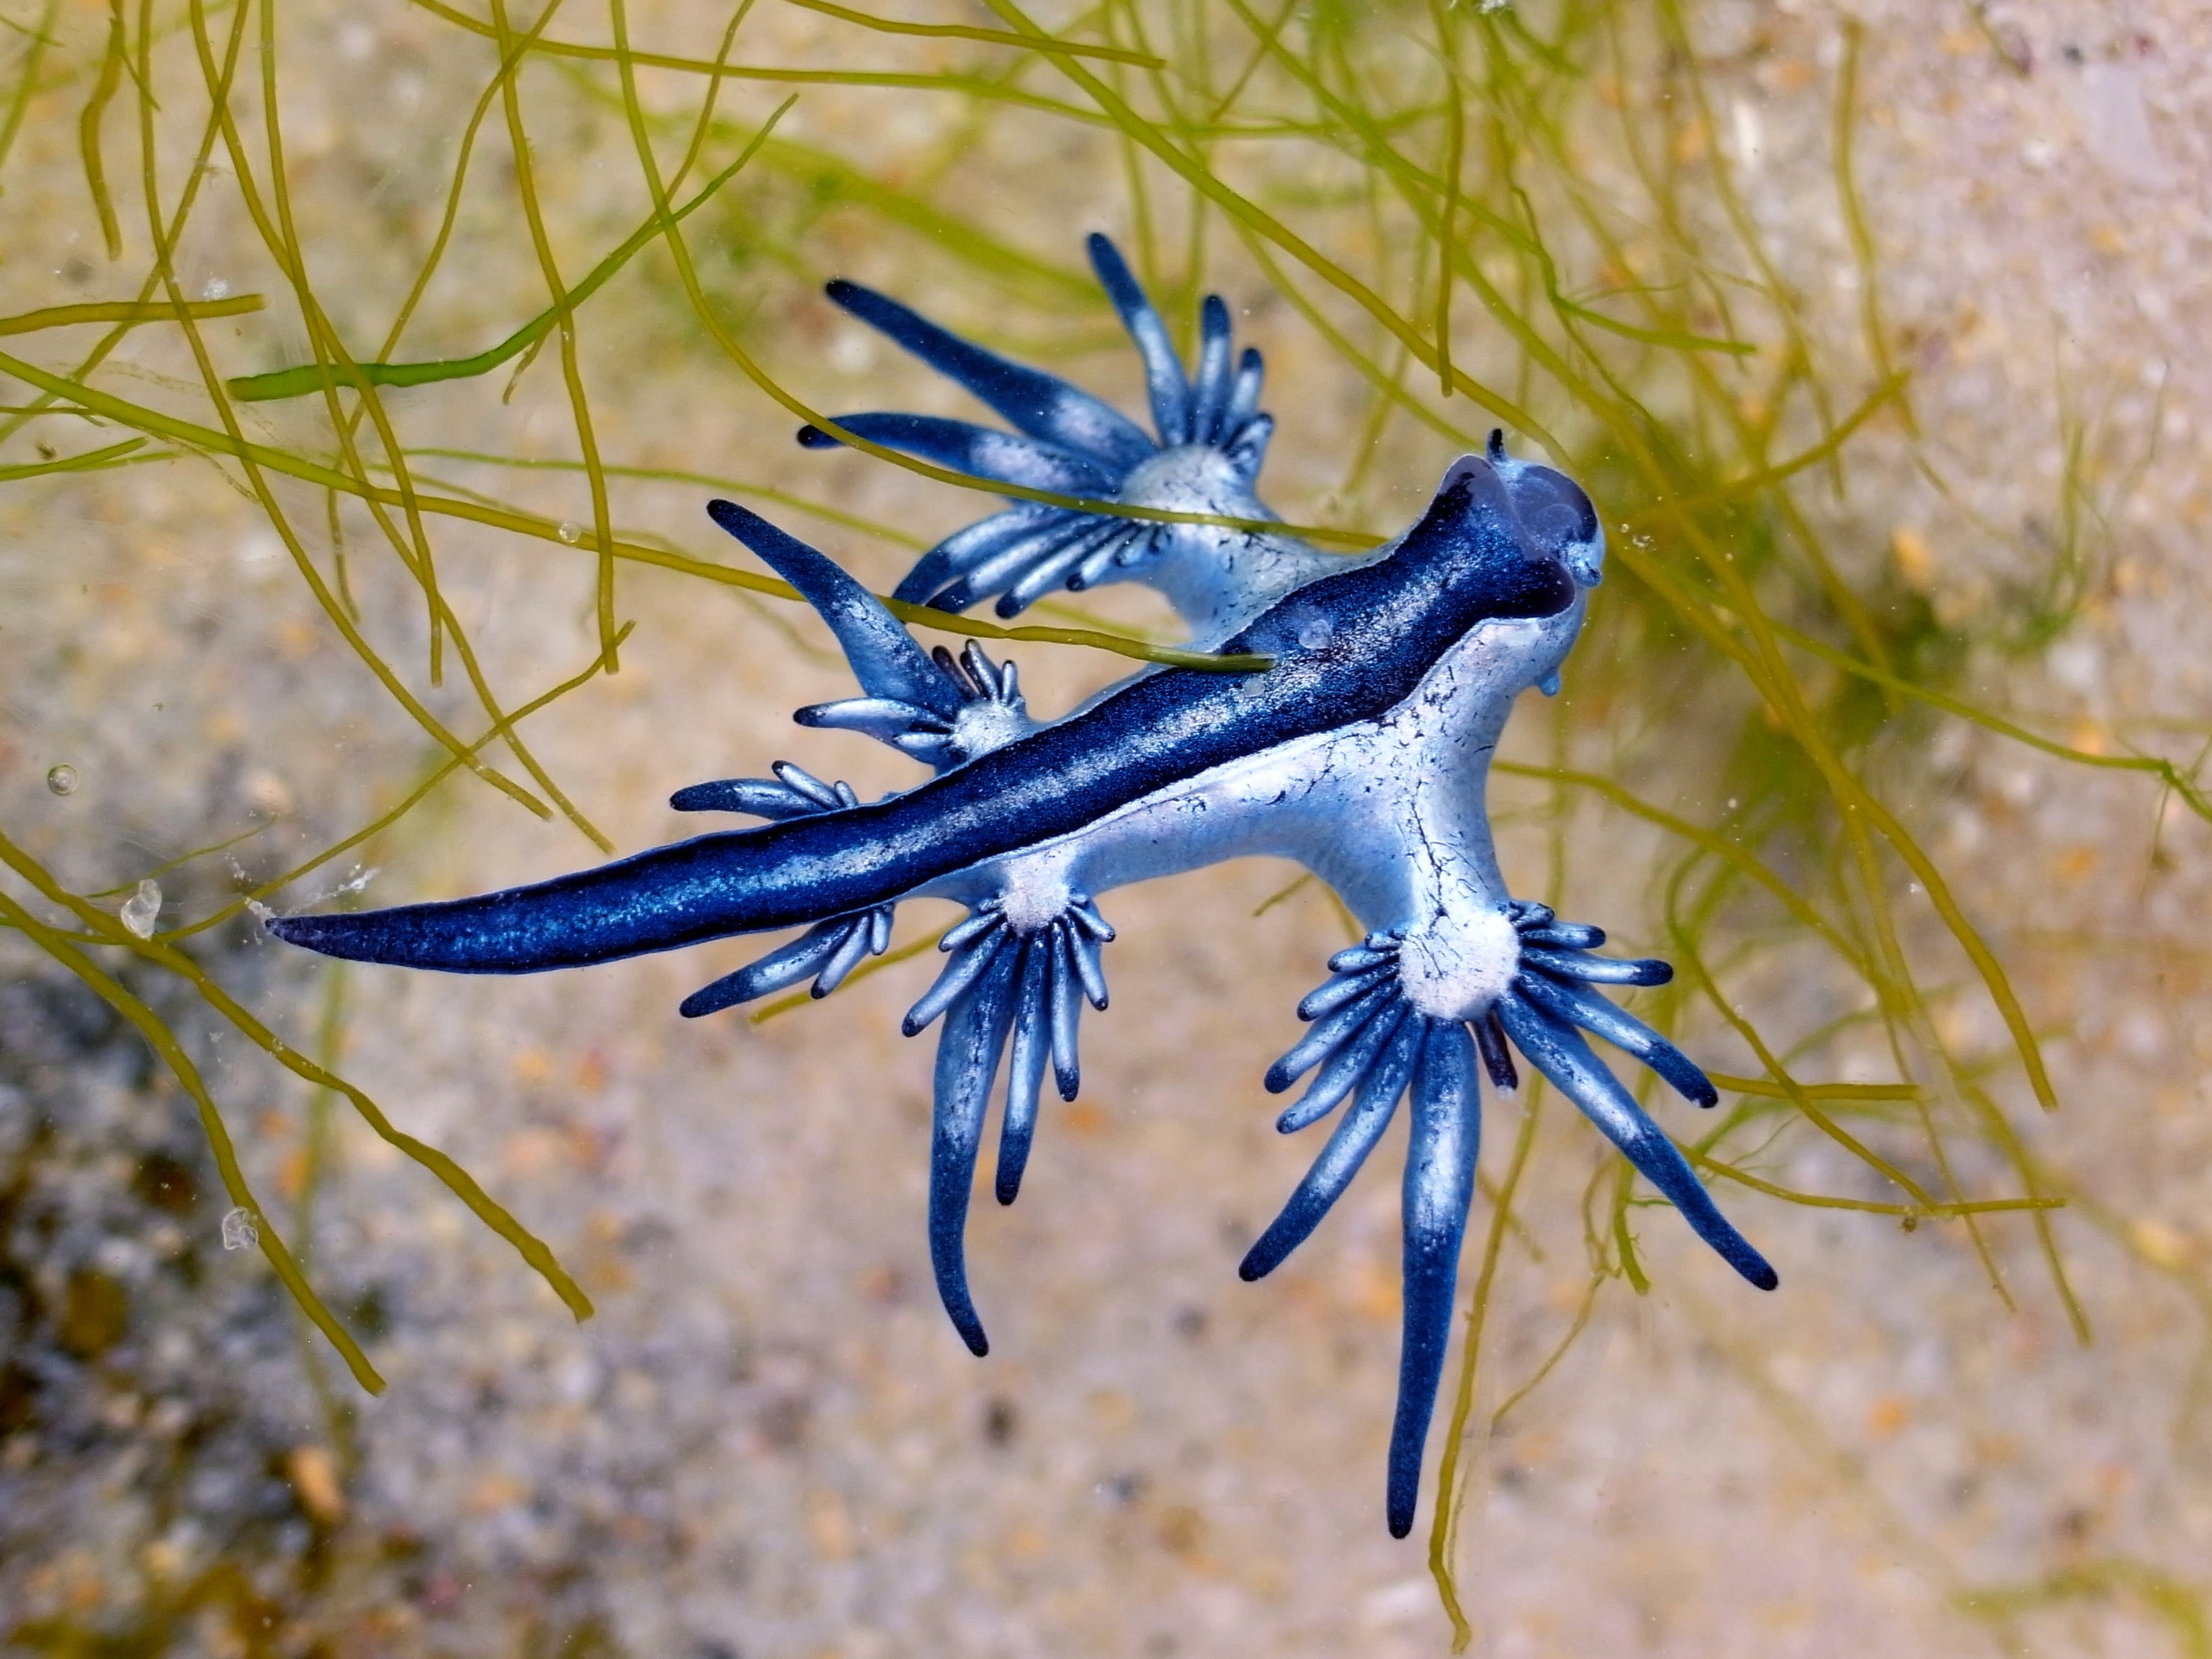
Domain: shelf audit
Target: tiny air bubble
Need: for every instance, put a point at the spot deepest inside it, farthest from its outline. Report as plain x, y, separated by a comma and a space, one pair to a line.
140, 908
242, 1230
62, 780
570, 531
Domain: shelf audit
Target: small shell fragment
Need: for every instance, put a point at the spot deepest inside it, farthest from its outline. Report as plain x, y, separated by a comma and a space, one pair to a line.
140, 909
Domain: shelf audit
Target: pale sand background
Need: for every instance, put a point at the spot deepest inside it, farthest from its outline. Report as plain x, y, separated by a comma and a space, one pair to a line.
770, 1442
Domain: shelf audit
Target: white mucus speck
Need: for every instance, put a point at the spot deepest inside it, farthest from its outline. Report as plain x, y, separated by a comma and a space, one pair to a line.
140, 908
242, 1230
1749, 131
215, 289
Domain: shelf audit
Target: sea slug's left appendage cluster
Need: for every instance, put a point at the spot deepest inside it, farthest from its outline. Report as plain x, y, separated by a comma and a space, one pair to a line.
1211, 440
1362, 753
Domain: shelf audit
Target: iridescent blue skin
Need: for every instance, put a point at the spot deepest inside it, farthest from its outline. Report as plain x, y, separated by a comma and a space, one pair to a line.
1362, 753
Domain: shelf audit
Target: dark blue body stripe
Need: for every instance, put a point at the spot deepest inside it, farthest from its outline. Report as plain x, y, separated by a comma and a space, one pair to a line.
1387, 625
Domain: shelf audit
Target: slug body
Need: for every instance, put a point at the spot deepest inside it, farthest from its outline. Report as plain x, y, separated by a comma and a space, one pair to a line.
1362, 752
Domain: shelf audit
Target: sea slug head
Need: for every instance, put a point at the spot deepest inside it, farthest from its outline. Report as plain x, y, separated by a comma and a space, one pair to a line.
1438, 593
1554, 512
1524, 543
1505, 534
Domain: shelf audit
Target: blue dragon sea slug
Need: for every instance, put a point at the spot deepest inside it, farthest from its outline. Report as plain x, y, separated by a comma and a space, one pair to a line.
1362, 752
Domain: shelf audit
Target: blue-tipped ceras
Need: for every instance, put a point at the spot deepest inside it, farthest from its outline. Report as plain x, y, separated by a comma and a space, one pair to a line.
1362, 753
